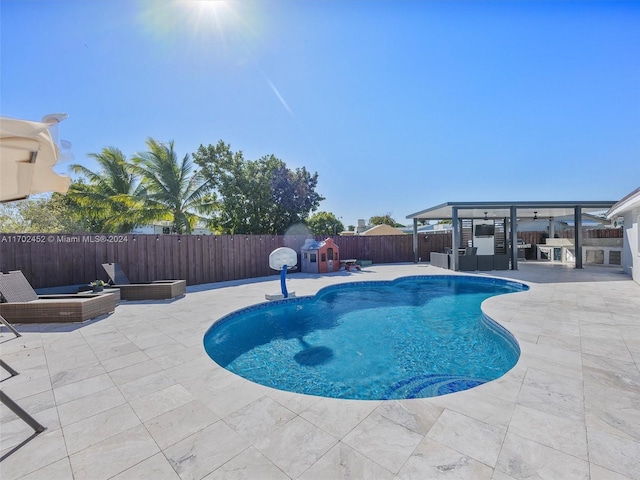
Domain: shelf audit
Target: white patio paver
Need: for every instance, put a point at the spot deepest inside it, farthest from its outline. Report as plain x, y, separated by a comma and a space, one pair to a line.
133, 395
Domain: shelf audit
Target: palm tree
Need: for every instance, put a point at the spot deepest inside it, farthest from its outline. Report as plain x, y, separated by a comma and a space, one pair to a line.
170, 186
112, 198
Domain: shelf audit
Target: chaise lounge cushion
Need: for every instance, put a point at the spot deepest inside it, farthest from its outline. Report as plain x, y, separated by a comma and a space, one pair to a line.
157, 290
21, 304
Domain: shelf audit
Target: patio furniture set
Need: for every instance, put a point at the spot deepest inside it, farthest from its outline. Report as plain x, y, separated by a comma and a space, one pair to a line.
19, 303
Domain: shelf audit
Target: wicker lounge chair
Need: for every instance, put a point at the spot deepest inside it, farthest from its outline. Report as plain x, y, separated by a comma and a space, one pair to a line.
158, 290
23, 305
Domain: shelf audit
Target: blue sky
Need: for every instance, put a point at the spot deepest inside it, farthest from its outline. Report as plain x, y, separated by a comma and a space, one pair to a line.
398, 105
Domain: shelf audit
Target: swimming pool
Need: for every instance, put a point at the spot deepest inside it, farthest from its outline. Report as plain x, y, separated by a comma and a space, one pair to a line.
413, 337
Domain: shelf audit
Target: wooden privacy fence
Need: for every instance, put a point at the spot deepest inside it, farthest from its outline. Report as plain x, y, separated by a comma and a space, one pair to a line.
51, 260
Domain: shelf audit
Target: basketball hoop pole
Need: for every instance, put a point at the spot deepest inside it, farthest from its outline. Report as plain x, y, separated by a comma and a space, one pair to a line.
283, 281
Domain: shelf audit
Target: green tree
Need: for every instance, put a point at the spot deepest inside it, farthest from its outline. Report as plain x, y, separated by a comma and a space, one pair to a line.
384, 220
172, 189
253, 197
324, 223
293, 195
43, 214
111, 200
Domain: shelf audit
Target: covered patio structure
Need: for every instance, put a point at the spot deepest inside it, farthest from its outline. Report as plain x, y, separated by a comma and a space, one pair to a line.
490, 228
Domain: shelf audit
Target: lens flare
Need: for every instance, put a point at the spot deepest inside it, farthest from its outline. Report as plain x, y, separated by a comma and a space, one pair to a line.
223, 28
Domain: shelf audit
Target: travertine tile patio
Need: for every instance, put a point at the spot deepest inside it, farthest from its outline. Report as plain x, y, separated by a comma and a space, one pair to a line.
134, 395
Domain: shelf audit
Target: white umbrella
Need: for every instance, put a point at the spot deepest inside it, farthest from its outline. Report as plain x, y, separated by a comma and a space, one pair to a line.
27, 156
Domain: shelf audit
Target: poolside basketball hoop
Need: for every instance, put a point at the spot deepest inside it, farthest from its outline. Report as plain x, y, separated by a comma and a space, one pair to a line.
282, 259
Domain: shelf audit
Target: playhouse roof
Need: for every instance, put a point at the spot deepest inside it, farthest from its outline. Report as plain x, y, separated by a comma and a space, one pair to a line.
311, 244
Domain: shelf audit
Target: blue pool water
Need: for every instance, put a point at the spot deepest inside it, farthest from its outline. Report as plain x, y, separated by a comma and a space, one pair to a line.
413, 337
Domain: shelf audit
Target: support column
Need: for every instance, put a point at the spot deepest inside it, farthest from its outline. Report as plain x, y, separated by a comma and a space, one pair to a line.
577, 235
455, 238
513, 236
415, 240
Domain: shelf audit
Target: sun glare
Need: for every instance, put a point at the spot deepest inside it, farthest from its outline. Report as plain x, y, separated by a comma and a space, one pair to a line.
209, 14
225, 20
221, 29
210, 8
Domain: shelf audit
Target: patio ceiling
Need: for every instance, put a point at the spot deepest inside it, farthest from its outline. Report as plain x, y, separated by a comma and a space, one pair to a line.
542, 209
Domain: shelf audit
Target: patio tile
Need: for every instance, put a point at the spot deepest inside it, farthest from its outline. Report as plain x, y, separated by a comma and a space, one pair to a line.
416, 415
433, 460
556, 431
554, 383
259, 419
607, 347
17, 431
95, 429
342, 461
383, 441
57, 470
12, 345
474, 404
61, 378
504, 388
523, 458
23, 359
555, 403
615, 453
537, 361
44, 449
336, 417
296, 402
146, 385
566, 342
146, 337
162, 350
613, 411
219, 400
114, 455
156, 467
180, 423
24, 385
469, 436
295, 446
89, 405
551, 355
67, 359
109, 351
498, 475
249, 464
161, 401
82, 388
32, 404
599, 331
601, 473
203, 452
135, 371
180, 358
622, 379
628, 317
124, 361
609, 365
